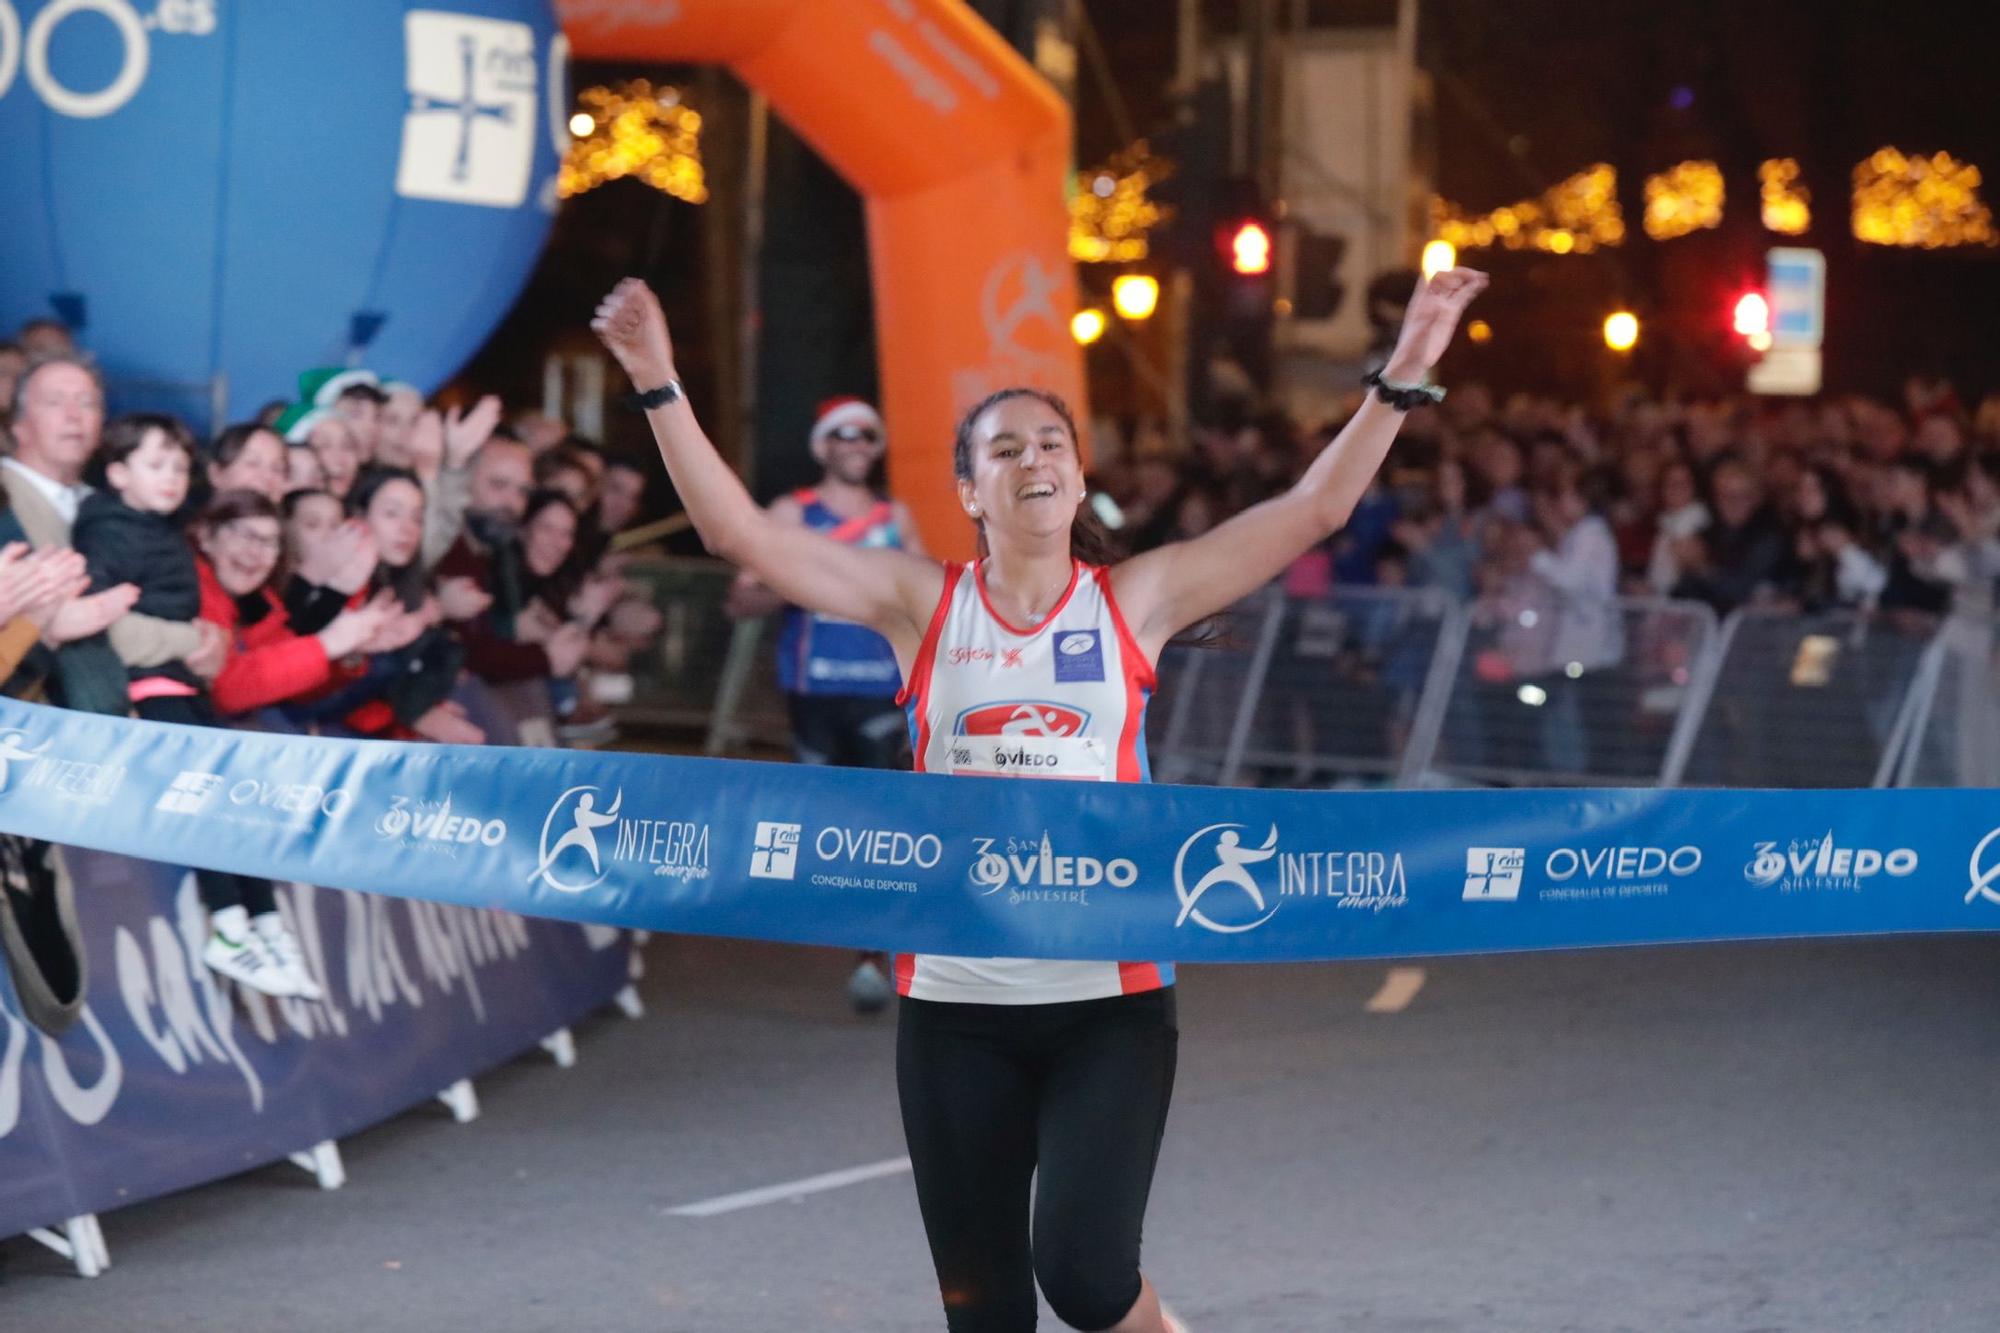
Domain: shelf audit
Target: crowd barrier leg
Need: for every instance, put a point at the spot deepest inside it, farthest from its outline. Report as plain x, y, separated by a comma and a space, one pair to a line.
1253, 691
562, 1046
629, 1003
736, 668
1913, 712
461, 1101
1694, 707
322, 1162
1427, 725
81, 1241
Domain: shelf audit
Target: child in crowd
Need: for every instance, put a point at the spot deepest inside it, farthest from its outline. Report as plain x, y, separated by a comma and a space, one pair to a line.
127, 535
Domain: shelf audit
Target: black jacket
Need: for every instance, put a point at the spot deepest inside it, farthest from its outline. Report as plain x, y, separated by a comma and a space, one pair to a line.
126, 545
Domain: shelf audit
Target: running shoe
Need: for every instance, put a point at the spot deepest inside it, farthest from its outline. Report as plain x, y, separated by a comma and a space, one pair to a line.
868, 990
284, 948
247, 959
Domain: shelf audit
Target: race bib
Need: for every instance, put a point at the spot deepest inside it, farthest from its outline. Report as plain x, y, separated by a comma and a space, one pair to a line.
1075, 758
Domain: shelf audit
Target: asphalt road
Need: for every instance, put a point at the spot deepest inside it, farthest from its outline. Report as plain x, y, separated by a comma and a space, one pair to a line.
1787, 1137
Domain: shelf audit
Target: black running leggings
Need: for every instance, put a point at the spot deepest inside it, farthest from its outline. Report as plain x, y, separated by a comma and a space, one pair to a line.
994, 1093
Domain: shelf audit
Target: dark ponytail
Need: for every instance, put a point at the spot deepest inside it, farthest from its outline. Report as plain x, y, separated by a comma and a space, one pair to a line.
1089, 540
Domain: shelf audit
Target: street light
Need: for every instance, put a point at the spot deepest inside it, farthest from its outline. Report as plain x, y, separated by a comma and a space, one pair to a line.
1621, 330
1135, 295
1439, 256
1087, 326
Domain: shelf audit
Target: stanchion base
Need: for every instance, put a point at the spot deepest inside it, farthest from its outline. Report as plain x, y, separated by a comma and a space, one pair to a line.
562, 1046
322, 1162
81, 1241
462, 1101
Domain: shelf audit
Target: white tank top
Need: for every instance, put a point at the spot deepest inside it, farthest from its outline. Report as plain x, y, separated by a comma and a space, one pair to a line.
1065, 700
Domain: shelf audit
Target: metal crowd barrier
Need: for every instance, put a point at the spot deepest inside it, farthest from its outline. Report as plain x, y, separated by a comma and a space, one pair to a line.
1803, 701
1516, 713
705, 671
1952, 717
1401, 686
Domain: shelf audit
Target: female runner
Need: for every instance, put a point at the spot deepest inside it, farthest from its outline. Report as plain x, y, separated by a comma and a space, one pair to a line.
1030, 658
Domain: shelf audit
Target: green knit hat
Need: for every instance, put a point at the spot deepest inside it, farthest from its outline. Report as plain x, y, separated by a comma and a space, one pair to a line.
295, 423
323, 386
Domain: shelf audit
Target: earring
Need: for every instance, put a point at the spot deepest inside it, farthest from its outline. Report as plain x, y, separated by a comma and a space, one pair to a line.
973, 510
1083, 494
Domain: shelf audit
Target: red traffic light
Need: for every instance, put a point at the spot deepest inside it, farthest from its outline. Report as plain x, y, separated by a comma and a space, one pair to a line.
1752, 315
1250, 248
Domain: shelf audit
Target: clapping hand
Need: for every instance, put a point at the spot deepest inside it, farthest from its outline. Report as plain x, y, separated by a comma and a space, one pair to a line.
462, 599
33, 582
72, 618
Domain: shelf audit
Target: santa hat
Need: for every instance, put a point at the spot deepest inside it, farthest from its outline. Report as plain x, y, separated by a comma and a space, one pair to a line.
837, 412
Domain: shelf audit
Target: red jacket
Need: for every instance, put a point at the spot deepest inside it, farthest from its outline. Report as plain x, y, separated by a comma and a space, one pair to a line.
267, 663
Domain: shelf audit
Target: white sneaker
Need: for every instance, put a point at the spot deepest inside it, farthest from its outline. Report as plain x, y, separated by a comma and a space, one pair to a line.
284, 949
248, 960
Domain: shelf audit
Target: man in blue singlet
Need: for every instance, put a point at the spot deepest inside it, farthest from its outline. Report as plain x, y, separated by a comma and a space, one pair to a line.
840, 679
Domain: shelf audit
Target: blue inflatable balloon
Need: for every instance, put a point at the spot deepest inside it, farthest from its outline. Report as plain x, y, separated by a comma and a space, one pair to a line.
222, 193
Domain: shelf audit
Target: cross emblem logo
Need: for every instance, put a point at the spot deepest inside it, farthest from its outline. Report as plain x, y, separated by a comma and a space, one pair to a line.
470, 131
467, 108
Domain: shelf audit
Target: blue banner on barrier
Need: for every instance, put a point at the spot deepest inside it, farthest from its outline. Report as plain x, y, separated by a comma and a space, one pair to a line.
171, 1078
995, 867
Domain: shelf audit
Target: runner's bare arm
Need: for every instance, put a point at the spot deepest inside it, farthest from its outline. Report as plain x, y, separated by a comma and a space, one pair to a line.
890, 591
1166, 590
747, 596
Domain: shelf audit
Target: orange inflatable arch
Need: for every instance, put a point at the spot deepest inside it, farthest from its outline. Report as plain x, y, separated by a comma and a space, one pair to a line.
960, 152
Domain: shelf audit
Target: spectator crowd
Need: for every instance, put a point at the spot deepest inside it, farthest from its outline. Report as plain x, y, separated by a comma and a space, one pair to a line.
1801, 504
356, 563
1542, 515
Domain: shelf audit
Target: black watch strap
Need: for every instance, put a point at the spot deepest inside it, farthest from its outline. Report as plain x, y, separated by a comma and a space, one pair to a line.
647, 399
1403, 397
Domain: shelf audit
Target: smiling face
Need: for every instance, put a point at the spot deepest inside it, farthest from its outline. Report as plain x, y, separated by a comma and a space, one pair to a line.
363, 416
502, 476
243, 553
852, 451
396, 515
1025, 478
548, 537
302, 469
618, 503
59, 421
399, 418
312, 518
259, 466
154, 477
333, 444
